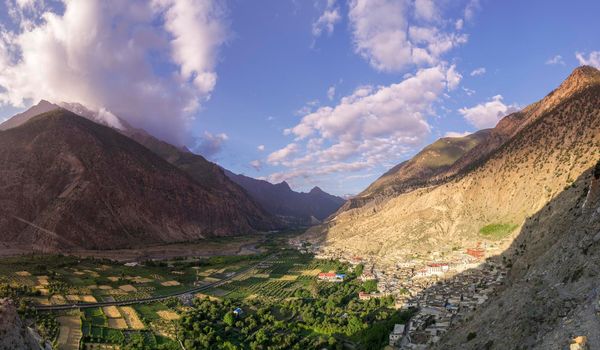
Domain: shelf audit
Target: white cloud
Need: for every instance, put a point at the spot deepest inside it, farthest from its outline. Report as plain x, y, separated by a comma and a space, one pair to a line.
106, 54
469, 92
384, 33
211, 144
256, 164
283, 154
458, 25
478, 71
331, 93
328, 19
556, 60
487, 115
426, 10
261, 148
593, 59
472, 7
198, 30
371, 126
457, 134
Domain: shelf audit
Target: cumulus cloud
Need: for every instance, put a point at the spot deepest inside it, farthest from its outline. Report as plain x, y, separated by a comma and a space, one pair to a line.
385, 34
283, 154
487, 115
555, 60
211, 144
369, 127
478, 71
328, 19
151, 63
261, 148
593, 59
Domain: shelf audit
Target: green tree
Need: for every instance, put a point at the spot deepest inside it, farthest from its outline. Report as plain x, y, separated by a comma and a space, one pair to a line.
229, 319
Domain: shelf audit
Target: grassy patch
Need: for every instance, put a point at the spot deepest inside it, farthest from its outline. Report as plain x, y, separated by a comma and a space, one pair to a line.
497, 231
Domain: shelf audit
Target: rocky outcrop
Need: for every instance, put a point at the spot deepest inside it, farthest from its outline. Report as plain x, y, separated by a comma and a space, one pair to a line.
13, 334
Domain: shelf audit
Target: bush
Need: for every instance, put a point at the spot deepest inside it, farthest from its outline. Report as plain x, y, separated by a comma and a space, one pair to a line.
471, 336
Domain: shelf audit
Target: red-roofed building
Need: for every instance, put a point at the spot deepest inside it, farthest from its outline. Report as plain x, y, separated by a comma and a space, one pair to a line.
331, 277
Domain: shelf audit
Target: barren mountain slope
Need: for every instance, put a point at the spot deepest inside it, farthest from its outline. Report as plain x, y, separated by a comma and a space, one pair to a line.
550, 149
71, 183
551, 294
433, 161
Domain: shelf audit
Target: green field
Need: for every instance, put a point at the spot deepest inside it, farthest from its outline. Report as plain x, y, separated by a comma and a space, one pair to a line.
281, 287
497, 231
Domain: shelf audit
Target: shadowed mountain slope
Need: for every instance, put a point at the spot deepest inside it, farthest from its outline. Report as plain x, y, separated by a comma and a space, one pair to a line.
71, 183
551, 293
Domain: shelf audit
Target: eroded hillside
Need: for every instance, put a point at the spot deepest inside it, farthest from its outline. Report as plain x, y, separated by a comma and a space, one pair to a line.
548, 145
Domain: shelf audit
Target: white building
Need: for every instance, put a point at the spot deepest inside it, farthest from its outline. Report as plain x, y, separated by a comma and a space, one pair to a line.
397, 334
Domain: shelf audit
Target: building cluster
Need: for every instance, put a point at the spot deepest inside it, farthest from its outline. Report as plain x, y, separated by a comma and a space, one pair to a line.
443, 287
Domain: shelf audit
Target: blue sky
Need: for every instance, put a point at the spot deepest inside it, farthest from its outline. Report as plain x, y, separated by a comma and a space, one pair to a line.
274, 63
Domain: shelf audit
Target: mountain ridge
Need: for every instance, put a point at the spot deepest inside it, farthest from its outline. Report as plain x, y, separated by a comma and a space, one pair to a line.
294, 207
547, 145
65, 176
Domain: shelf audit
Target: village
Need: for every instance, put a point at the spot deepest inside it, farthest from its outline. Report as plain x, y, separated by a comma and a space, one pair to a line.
443, 288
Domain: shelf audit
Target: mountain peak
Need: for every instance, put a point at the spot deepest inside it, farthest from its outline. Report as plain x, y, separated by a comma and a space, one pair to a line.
316, 190
42, 107
581, 76
284, 184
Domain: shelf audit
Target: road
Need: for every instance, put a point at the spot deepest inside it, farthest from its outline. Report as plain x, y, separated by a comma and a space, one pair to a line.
151, 299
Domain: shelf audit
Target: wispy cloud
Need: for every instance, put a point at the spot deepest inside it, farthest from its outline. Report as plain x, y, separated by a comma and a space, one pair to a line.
478, 71
327, 20
592, 59
555, 60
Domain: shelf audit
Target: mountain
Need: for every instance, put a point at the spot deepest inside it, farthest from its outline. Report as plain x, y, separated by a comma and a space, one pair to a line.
281, 200
70, 183
21, 118
550, 295
513, 171
435, 162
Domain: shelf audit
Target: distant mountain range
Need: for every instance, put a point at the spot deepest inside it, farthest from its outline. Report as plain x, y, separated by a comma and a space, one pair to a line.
281, 200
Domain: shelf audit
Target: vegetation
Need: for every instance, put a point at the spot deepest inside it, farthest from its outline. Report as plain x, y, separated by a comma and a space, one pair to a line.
334, 317
284, 305
497, 231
